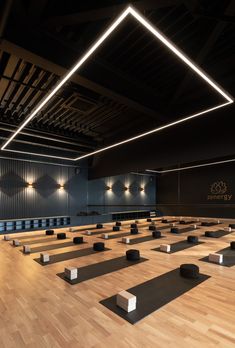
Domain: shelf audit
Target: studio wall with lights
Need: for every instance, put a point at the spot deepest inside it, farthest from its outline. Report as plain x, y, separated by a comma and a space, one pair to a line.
122, 192
30, 189
205, 191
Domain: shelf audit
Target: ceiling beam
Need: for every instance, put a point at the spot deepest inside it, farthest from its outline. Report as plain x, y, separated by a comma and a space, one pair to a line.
205, 50
106, 12
220, 18
5, 10
45, 134
35, 10
47, 65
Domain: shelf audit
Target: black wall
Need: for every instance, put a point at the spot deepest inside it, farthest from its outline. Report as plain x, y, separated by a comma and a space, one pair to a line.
45, 199
208, 137
191, 193
79, 193
117, 199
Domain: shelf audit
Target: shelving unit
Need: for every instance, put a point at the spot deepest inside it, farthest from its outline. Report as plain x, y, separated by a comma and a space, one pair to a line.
131, 215
17, 225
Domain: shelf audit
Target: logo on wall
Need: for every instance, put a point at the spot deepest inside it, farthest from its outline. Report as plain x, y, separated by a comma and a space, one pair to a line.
219, 191
219, 187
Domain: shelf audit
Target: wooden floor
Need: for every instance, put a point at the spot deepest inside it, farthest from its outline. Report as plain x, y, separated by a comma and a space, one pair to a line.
38, 309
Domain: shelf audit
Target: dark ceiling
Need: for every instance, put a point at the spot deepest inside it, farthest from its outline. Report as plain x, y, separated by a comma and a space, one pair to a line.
130, 85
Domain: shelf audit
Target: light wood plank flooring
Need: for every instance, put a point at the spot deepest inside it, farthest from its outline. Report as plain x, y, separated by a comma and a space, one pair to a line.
38, 309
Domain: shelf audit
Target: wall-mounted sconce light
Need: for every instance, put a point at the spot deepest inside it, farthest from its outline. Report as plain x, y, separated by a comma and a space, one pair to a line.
30, 185
126, 188
141, 189
108, 188
61, 187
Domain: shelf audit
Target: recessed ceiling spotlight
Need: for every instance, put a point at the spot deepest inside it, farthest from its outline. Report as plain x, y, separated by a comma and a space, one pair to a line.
158, 35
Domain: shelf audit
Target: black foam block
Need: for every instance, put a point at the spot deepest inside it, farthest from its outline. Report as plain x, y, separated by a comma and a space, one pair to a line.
189, 271
156, 234
49, 232
134, 231
133, 255
78, 240
174, 230
134, 226
61, 235
98, 246
192, 239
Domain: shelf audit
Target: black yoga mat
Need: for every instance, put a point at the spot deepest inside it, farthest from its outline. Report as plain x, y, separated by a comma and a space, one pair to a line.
169, 221
31, 235
141, 240
69, 256
154, 294
93, 233
52, 247
100, 231
210, 223
218, 234
161, 228
184, 230
228, 257
101, 268
187, 222
179, 246
118, 235
39, 241
82, 229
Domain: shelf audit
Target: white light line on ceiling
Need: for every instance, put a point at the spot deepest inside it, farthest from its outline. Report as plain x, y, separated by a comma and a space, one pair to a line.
69, 74
153, 131
189, 167
85, 57
40, 154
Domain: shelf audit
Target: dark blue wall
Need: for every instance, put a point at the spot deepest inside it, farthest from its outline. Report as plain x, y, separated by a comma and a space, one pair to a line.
45, 199
117, 199
79, 194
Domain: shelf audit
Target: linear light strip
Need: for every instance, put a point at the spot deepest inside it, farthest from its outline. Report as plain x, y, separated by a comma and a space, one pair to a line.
153, 131
40, 154
165, 41
69, 74
190, 167
41, 162
124, 141
182, 56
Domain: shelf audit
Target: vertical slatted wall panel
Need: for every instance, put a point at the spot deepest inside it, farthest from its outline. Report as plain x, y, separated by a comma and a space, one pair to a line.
45, 199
